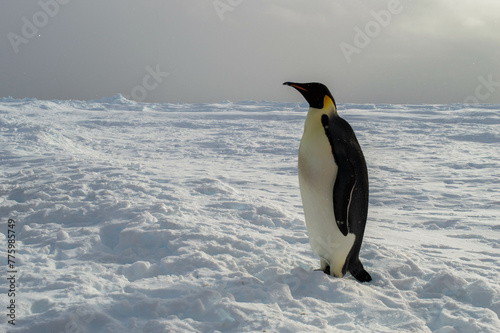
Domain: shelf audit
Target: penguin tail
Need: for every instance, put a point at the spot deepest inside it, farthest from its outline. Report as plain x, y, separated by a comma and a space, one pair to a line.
357, 270
362, 276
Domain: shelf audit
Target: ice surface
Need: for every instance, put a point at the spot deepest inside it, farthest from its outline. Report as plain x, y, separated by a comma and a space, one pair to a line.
135, 217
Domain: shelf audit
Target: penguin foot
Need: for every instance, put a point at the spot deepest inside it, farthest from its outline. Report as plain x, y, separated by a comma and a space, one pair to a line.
326, 270
362, 276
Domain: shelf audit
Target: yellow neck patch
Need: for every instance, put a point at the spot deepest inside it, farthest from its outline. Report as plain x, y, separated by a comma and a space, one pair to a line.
327, 102
329, 106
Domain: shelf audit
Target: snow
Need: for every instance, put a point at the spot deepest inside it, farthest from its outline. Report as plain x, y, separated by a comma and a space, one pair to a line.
136, 217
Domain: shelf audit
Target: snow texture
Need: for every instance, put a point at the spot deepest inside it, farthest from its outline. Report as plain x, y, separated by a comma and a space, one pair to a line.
136, 217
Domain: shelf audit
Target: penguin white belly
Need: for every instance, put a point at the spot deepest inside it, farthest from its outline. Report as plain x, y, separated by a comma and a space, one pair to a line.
317, 174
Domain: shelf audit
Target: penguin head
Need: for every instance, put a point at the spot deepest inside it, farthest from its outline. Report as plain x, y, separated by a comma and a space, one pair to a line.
315, 93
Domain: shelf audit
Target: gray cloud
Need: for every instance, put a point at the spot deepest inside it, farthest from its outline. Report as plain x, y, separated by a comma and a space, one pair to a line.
425, 52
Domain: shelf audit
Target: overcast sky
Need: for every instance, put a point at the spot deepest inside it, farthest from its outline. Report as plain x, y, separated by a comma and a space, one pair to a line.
379, 51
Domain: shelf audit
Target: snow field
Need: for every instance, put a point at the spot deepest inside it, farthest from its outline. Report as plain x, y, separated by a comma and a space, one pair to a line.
136, 217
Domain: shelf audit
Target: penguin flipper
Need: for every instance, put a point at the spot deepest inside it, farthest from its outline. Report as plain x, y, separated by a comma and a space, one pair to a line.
342, 191
345, 180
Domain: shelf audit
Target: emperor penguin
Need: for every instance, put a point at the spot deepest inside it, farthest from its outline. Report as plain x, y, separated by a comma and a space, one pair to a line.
333, 180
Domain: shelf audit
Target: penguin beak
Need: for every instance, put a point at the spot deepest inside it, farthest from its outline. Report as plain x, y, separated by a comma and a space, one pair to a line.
295, 85
301, 88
